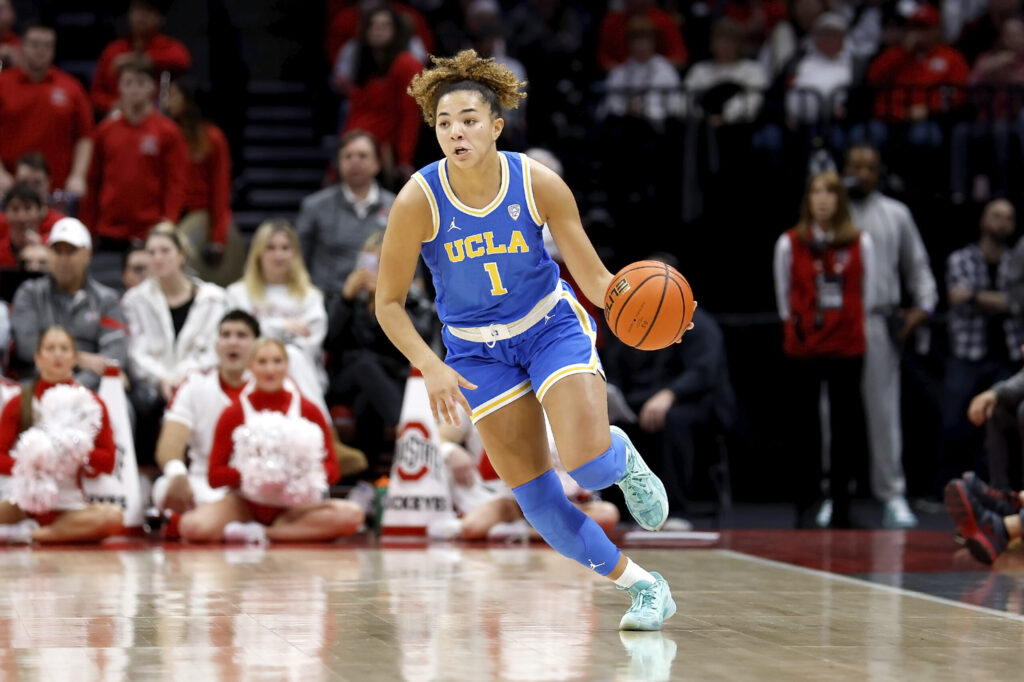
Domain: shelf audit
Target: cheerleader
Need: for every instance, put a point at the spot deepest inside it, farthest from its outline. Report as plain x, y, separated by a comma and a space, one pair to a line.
283, 500
40, 436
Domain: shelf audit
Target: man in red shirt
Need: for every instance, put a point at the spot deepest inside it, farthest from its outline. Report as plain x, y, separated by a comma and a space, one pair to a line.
145, 19
909, 75
44, 109
137, 174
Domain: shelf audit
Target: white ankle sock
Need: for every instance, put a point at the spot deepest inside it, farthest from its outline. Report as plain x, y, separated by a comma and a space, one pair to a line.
251, 532
632, 575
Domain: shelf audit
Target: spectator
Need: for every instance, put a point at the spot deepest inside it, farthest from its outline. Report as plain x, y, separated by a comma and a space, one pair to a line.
10, 42
789, 37
20, 224
145, 19
191, 417
645, 84
367, 372
825, 70
824, 285
239, 518
334, 223
984, 337
983, 33
68, 297
671, 394
45, 109
613, 41
34, 258
276, 290
377, 99
864, 32
138, 171
728, 87
909, 76
344, 28
206, 219
172, 324
72, 519
135, 266
1000, 409
33, 169
900, 256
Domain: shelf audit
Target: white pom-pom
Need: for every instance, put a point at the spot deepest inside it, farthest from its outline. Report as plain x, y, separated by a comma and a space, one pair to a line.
280, 459
37, 468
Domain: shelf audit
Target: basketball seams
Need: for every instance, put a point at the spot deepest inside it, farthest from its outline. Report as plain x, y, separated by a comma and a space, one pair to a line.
682, 297
654, 317
634, 288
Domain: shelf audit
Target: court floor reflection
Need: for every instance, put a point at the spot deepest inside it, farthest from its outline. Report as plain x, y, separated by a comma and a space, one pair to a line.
454, 613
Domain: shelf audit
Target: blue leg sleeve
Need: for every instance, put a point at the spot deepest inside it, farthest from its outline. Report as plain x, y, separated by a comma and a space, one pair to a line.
605, 469
563, 526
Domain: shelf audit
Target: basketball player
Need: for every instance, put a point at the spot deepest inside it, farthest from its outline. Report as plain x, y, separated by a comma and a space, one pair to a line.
519, 343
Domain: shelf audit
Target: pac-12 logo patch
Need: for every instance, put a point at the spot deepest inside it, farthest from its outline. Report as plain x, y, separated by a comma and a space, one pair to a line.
514, 210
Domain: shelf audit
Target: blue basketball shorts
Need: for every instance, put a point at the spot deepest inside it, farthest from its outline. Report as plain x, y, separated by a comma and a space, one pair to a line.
558, 346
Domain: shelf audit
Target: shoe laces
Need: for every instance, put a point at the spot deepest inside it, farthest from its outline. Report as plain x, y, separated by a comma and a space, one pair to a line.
640, 483
643, 599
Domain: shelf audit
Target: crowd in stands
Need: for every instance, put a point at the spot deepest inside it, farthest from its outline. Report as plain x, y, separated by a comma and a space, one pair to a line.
117, 229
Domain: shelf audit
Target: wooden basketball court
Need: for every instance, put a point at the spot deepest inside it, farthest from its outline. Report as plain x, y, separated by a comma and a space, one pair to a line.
840, 605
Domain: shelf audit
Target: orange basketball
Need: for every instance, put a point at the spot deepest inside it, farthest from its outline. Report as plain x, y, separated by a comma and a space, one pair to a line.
648, 305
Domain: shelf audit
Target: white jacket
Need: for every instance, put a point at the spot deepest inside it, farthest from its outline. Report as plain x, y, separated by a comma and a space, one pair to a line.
153, 352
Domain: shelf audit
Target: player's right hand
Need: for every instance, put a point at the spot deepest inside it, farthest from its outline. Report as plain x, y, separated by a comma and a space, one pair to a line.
443, 389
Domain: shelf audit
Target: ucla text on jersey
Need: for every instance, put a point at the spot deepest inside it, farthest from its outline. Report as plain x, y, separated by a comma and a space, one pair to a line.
489, 264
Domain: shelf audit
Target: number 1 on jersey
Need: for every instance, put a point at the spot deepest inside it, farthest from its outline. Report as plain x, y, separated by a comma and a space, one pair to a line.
496, 288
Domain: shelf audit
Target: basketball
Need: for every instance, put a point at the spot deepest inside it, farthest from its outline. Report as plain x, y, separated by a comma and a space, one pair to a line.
648, 305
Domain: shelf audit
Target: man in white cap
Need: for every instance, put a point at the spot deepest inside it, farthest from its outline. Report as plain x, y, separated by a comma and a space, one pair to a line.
68, 297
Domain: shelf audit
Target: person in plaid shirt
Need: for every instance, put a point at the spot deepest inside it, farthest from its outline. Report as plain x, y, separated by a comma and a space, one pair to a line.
985, 335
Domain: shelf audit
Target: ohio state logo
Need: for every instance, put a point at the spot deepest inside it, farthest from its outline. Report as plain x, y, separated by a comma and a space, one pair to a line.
415, 454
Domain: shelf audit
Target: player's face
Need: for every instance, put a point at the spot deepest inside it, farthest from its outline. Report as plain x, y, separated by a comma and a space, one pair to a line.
466, 129
234, 343
269, 366
823, 202
56, 356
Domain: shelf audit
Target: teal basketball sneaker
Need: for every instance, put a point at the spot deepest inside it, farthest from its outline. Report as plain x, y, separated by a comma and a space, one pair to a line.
644, 492
652, 605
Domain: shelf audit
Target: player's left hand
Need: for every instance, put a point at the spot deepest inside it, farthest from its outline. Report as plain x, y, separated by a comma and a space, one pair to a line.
652, 414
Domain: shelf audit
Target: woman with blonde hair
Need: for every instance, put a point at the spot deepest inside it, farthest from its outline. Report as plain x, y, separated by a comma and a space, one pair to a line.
275, 288
823, 285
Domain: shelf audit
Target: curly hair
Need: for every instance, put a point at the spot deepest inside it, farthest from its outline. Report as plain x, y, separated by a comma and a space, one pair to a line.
466, 71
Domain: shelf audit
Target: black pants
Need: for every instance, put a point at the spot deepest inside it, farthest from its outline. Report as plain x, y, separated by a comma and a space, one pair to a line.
1004, 435
375, 394
842, 378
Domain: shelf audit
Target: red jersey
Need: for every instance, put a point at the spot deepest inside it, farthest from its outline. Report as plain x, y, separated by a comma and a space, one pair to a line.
137, 176
826, 301
101, 459
221, 473
166, 53
613, 45
208, 184
382, 107
907, 79
49, 116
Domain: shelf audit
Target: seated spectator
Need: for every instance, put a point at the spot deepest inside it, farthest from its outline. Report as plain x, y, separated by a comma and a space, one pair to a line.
135, 266
145, 19
68, 297
191, 417
823, 287
20, 223
334, 223
239, 516
343, 30
485, 505
10, 42
70, 518
613, 40
671, 394
984, 336
34, 258
218, 248
33, 170
138, 171
728, 87
825, 70
790, 37
645, 84
980, 33
172, 325
45, 109
367, 372
275, 289
377, 101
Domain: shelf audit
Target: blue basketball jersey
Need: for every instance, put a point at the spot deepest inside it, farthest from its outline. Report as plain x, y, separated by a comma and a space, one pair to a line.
489, 265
